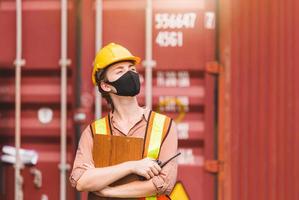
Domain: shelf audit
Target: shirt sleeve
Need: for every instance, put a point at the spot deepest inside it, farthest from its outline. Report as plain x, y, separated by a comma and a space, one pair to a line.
83, 156
166, 180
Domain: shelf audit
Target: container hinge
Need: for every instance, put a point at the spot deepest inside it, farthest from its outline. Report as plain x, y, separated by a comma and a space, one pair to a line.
214, 67
213, 166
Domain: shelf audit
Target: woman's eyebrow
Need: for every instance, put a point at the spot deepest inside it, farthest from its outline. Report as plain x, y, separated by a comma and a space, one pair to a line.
119, 67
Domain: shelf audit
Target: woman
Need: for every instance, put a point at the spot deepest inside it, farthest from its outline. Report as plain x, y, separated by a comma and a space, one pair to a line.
116, 76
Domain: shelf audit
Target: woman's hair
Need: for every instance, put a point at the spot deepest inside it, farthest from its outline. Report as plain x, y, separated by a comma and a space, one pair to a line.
100, 76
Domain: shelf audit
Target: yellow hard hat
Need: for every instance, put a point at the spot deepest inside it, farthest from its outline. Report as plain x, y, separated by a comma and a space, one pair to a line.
110, 54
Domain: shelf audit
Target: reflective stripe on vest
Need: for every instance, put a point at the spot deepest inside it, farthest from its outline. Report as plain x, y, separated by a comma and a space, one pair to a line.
158, 127
156, 136
151, 198
101, 126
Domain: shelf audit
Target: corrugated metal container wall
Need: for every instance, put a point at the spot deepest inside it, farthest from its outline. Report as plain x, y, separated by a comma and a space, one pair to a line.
40, 95
259, 48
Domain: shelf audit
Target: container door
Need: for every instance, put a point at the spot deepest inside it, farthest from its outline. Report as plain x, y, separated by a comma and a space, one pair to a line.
183, 44
40, 96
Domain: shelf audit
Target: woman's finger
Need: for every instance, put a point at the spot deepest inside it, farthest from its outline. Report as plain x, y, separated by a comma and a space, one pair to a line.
154, 170
150, 173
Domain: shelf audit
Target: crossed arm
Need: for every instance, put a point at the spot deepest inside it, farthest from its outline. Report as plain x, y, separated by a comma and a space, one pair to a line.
98, 179
134, 189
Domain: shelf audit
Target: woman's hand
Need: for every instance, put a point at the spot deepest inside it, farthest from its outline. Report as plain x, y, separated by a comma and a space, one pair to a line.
147, 167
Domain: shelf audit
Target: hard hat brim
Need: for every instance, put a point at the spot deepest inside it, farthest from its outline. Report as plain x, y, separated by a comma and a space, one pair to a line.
131, 58
135, 59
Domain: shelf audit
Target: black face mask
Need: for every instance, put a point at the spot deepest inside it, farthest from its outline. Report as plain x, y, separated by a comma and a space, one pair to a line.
127, 85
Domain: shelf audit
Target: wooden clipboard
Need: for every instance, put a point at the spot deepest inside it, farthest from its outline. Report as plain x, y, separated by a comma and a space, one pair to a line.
111, 150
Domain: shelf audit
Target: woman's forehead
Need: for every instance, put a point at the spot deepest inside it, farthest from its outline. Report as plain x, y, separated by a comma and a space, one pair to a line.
121, 64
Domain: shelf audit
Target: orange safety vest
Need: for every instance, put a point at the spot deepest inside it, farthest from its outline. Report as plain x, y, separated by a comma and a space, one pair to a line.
157, 129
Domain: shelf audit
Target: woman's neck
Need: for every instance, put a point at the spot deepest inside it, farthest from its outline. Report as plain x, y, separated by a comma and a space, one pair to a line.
126, 107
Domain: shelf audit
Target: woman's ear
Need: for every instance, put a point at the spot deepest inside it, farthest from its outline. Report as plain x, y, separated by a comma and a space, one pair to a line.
105, 86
